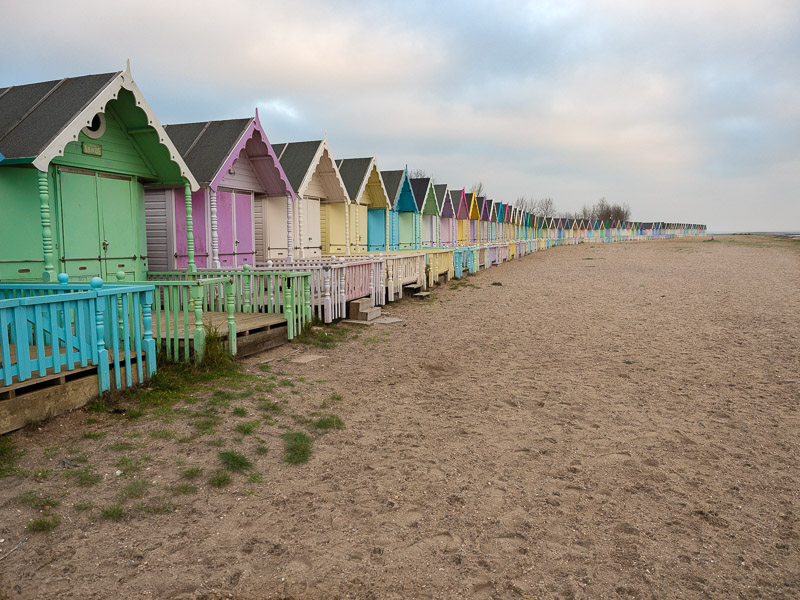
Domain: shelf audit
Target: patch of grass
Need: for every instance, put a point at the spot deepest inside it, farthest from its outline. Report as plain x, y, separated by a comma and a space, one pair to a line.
162, 434
134, 413
297, 447
96, 406
191, 473
286, 382
206, 424
220, 479
265, 367
186, 439
44, 524
94, 435
8, 456
29, 498
83, 477
92, 421
255, 478
115, 512
49, 452
84, 506
76, 456
234, 461
239, 411
270, 406
247, 427
336, 397
183, 489
329, 422
497, 283
127, 464
221, 398
120, 446
267, 388
216, 443
262, 449
159, 506
216, 357
323, 336
41, 473
587, 258
135, 489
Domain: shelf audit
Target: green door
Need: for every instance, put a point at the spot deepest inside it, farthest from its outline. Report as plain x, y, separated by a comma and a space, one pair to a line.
99, 225
80, 224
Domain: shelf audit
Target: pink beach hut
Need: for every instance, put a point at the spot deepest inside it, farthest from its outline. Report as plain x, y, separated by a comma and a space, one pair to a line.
447, 220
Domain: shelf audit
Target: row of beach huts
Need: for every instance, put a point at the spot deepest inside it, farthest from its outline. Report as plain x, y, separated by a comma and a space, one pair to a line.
122, 239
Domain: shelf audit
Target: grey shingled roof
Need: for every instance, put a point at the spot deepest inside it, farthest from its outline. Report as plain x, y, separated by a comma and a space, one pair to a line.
296, 159
440, 190
206, 146
392, 181
32, 115
419, 185
353, 172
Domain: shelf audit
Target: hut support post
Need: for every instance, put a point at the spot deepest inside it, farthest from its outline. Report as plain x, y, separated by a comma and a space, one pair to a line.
214, 231
289, 232
191, 267
49, 273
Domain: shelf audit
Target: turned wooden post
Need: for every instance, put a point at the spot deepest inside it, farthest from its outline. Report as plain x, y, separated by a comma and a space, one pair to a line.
231, 308
49, 273
289, 232
214, 230
326, 294
191, 267
103, 373
247, 305
148, 343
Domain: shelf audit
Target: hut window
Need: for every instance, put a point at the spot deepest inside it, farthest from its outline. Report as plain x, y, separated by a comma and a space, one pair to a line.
96, 128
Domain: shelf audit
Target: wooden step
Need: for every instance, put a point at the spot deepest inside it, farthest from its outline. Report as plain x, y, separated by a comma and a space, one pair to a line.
422, 294
355, 307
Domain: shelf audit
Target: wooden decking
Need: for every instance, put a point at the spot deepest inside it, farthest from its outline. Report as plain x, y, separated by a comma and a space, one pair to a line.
246, 323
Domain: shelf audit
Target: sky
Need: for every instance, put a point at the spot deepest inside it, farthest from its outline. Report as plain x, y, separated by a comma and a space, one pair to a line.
686, 110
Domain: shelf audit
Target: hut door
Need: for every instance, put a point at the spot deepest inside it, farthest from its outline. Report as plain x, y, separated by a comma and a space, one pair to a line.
117, 226
361, 238
225, 229
80, 224
311, 227
244, 246
376, 229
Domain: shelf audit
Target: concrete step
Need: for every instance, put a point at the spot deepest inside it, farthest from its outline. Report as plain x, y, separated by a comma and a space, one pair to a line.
422, 295
413, 286
369, 314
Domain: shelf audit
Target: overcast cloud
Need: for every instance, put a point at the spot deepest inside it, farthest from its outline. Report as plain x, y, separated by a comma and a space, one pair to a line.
686, 110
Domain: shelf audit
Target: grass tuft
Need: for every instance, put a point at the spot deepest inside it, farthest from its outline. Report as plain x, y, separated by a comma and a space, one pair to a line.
297, 447
135, 489
8, 456
247, 427
44, 524
234, 461
83, 477
113, 513
329, 422
191, 473
497, 283
239, 411
220, 479
94, 435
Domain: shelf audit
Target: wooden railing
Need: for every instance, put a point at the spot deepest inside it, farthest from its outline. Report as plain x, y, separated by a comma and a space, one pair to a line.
60, 327
459, 262
439, 262
276, 291
333, 282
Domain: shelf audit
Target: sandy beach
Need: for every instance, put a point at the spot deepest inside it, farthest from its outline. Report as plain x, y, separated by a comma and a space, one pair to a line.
597, 421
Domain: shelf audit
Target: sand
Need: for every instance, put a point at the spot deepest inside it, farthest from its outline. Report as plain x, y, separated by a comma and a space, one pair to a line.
612, 421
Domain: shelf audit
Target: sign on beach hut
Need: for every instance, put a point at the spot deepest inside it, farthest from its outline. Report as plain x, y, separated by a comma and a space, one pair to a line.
322, 221
78, 152
403, 215
370, 206
428, 215
242, 208
447, 221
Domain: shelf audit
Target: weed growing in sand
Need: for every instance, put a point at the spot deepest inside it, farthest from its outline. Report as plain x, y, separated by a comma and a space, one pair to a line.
83, 477
234, 461
84, 506
44, 524
255, 478
297, 447
262, 449
96, 406
329, 422
8, 457
221, 398
94, 435
265, 367
217, 443
191, 473
136, 489
497, 283
158, 507
323, 336
270, 406
162, 434
247, 427
285, 382
183, 489
220, 479
113, 513
29, 498
239, 411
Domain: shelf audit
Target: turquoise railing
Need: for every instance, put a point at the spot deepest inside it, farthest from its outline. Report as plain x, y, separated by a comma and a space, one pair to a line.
54, 328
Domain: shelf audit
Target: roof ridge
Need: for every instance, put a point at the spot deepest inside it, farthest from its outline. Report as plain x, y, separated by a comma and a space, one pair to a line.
197, 139
32, 108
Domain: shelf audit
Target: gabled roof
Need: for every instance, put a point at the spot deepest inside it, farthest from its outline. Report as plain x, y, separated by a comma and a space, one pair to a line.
211, 148
443, 200
459, 198
355, 173
492, 210
398, 188
420, 187
38, 120
300, 161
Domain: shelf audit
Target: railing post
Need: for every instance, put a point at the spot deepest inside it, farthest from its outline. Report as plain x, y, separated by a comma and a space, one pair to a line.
342, 289
47, 231
148, 343
247, 304
326, 294
307, 299
103, 374
199, 330
288, 306
231, 308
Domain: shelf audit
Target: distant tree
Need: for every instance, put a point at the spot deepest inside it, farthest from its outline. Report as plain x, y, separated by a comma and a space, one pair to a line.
588, 213
418, 174
544, 206
478, 189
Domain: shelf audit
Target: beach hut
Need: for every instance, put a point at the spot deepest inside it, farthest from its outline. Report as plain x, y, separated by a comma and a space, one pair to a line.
474, 219
492, 219
369, 204
447, 221
241, 211
403, 214
78, 153
321, 223
428, 215
462, 216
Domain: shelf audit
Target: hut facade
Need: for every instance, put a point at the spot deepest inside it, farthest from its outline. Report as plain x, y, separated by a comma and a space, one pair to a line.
369, 204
